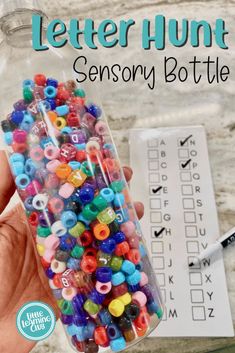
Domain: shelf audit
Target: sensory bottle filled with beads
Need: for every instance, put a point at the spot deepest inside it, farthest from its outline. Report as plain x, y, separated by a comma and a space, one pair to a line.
74, 193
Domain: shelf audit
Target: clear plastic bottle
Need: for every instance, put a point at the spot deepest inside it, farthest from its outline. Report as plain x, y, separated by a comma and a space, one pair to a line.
69, 178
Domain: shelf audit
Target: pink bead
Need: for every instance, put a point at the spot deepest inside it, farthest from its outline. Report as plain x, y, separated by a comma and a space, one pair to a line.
33, 188
55, 205
48, 255
52, 165
144, 279
128, 228
66, 190
103, 288
51, 152
52, 242
133, 241
36, 154
69, 293
115, 175
101, 128
139, 298
40, 240
51, 181
19, 136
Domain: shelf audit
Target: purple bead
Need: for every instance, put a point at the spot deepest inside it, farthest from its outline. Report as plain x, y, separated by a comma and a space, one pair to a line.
46, 219
20, 105
77, 302
57, 293
50, 274
147, 290
97, 297
100, 181
78, 137
66, 319
91, 182
41, 175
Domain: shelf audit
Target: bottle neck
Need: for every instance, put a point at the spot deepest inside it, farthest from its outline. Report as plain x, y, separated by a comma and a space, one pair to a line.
17, 27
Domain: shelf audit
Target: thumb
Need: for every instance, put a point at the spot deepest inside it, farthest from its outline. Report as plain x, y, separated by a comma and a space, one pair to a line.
7, 187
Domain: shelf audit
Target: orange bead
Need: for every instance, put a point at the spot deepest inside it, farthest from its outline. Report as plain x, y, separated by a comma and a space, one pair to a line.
129, 335
81, 156
52, 116
77, 178
100, 336
63, 171
143, 320
122, 248
101, 231
134, 256
57, 280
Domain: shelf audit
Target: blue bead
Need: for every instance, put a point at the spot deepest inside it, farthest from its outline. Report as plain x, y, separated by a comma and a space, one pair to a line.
152, 308
113, 332
17, 117
122, 215
58, 294
95, 110
104, 274
66, 130
22, 181
142, 250
118, 344
45, 142
27, 122
52, 82
105, 317
81, 333
50, 92
108, 246
28, 84
80, 146
83, 220
86, 194
52, 103
73, 330
77, 303
67, 242
30, 168
17, 157
134, 278
89, 329
79, 319
107, 194
69, 219
8, 138
140, 266
28, 204
73, 263
74, 165
134, 288
44, 106
62, 110
17, 168
119, 237
50, 274
128, 267
96, 297
117, 278
119, 200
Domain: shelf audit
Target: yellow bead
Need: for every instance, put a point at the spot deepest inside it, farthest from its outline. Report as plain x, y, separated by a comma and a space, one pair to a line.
125, 298
116, 307
77, 178
40, 249
60, 123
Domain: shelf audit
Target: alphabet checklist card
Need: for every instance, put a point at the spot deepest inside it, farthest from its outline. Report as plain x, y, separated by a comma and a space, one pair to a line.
172, 178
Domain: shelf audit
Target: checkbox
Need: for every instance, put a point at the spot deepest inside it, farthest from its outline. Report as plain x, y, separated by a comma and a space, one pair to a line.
197, 296
187, 190
155, 203
185, 176
156, 217
195, 278
157, 247
153, 143
189, 217
195, 267
161, 279
154, 178
182, 139
155, 190
183, 153
163, 294
158, 231
198, 313
191, 232
153, 165
188, 204
183, 165
153, 154
192, 247
158, 263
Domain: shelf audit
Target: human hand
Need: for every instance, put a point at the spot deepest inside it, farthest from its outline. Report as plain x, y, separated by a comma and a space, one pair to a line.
21, 273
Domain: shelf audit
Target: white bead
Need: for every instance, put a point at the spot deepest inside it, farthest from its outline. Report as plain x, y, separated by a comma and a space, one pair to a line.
58, 229
92, 145
69, 293
58, 266
51, 284
40, 202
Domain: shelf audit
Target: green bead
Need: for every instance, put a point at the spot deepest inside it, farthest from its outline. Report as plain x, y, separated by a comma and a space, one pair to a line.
116, 263
88, 168
100, 203
117, 186
77, 230
60, 303
77, 251
103, 259
67, 308
159, 313
43, 231
28, 95
79, 93
90, 212
107, 216
91, 307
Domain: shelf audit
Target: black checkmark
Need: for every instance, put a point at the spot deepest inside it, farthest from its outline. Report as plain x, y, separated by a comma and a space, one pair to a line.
184, 165
157, 189
157, 234
185, 140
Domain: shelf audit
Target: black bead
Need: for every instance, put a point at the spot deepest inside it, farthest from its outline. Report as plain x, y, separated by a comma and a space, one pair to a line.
132, 311
124, 323
114, 227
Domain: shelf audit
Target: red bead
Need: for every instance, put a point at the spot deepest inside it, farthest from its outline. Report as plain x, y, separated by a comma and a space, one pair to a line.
67, 152
134, 256
73, 120
101, 337
44, 263
143, 320
58, 102
85, 239
81, 156
90, 252
40, 79
63, 94
33, 219
19, 147
122, 248
96, 156
57, 280
88, 264
80, 346
118, 291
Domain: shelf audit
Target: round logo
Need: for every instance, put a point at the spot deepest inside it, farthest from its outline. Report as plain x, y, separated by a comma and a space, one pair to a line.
35, 321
